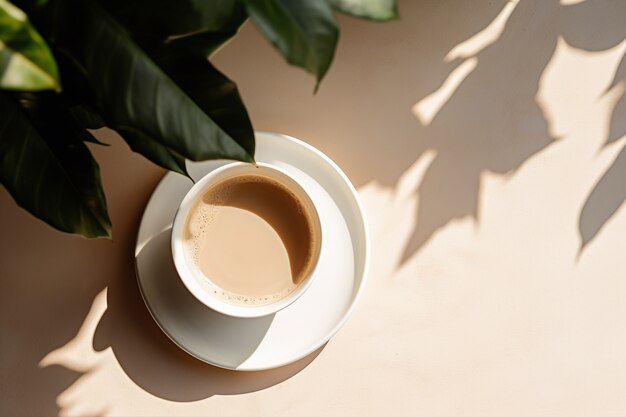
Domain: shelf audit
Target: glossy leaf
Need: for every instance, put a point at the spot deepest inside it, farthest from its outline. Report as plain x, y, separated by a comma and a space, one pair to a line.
48, 170
212, 25
304, 31
166, 19
26, 62
204, 43
80, 101
154, 151
86, 118
211, 90
368, 9
132, 92
210, 33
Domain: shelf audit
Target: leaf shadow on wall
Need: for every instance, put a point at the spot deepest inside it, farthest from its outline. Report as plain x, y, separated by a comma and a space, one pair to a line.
609, 193
492, 121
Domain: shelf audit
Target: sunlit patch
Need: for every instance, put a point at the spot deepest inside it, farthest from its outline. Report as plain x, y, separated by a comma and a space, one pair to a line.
485, 37
566, 97
78, 354
571, 2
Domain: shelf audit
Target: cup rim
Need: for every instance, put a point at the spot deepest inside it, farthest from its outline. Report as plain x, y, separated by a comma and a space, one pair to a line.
189, 276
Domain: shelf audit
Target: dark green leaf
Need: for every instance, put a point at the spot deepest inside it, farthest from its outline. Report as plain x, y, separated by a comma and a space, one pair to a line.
183, 59
84, 135
199, 26
203, 43
162, 19
78, 93
81, 132
132, 93
211, 90
213, 23
86, 118
26, 62
368, 9
304, 31
154, 151
219, 23
81, 101
48, 170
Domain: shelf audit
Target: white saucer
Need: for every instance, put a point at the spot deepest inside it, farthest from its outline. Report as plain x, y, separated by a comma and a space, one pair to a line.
292, 333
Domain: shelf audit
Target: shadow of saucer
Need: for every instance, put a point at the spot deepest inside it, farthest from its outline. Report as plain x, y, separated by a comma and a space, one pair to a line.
152, 360
204, 333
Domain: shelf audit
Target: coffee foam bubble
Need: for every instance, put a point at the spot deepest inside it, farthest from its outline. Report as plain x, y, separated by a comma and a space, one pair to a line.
245, 300
203, 214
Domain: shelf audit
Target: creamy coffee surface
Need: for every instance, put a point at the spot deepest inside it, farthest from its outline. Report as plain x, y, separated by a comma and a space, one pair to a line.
251, 238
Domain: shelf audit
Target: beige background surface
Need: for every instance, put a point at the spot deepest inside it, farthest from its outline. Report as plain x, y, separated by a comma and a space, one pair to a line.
487, 142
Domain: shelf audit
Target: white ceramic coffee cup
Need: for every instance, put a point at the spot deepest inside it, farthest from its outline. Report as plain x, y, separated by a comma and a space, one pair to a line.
196, 282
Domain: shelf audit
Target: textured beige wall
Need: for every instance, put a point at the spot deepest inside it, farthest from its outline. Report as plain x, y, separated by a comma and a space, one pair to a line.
486, 139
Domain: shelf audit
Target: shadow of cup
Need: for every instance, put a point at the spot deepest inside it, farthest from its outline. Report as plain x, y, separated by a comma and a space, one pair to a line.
153, 361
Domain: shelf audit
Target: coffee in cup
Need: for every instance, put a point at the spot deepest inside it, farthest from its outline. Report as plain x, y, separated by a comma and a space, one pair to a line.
250, 237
